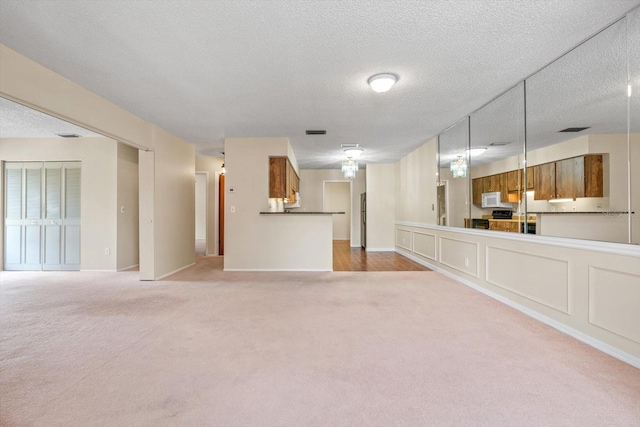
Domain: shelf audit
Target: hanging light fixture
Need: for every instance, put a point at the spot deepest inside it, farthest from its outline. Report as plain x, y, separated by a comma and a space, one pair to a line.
349, 168
458, 167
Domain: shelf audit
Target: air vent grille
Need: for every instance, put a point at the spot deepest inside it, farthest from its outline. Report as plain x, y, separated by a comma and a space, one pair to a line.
68, 135
573, 129
316, 132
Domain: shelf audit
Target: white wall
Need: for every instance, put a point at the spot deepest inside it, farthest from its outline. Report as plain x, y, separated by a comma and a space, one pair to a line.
127, 207
311, 185
337, 198
267, 242
416, 175
213, 166
170, 179
381, 207
99, 179
201, 205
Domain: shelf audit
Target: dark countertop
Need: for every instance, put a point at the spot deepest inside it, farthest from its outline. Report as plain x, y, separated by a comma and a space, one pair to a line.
301, 213
578, 213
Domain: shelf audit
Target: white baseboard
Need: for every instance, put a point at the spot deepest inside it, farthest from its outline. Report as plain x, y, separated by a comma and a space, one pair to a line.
380, 249
126, 268
174, 271
580, 336
277, 269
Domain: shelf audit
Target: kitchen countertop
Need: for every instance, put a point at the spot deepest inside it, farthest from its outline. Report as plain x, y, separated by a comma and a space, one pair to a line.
301, 213
578, 213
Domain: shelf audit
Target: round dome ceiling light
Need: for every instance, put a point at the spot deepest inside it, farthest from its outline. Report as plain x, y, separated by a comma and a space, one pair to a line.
476, 151
382, 82
353, 152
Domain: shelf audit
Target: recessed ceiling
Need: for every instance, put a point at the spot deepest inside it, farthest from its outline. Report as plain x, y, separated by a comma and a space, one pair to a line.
210, 70
18, 121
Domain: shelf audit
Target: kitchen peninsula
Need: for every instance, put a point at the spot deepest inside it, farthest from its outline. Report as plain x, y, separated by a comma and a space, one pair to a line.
260, 240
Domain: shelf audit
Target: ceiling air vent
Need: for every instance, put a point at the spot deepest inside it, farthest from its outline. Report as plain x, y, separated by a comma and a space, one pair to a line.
316, 132
499, 144
573, 129
68, 135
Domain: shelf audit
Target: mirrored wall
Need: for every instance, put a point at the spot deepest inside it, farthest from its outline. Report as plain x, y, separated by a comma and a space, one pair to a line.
559, 153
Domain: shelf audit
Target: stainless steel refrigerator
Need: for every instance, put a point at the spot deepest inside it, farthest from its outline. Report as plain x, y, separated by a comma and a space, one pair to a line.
363, 220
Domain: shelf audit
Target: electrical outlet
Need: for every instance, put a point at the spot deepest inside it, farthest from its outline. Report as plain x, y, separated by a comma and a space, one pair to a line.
107, 251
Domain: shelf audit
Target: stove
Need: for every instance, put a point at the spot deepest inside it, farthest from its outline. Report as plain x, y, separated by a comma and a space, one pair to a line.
502, 214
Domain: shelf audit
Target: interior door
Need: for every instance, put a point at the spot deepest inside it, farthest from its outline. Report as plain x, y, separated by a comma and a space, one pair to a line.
32, 222
71, 214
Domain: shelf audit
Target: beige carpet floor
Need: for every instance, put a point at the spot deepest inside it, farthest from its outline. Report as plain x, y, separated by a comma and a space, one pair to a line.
208, 348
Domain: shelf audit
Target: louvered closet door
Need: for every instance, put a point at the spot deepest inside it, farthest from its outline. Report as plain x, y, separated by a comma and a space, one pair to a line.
13, 216
52, 228
71, 216
42, 216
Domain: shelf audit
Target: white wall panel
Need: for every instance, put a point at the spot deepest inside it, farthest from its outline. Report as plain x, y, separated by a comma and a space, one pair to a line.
459, 255
541, 279
424, 244
614, 301
403, 238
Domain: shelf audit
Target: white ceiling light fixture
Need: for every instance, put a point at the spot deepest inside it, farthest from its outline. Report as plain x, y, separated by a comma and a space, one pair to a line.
382, 82
476, 151
353, 152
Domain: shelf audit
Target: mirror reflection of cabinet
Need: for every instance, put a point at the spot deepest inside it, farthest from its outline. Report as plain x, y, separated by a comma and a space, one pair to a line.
575, 177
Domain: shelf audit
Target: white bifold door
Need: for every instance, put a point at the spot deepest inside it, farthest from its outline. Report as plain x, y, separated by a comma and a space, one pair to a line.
42, 216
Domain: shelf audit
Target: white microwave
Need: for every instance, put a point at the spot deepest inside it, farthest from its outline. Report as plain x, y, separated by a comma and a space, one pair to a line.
492, 200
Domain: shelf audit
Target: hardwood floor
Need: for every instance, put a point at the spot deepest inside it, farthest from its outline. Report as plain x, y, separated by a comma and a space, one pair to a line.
346, 258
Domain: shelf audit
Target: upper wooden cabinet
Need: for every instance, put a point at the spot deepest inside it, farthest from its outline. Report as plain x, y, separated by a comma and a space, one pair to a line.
570, 178
544, 186
284, 182
476, 190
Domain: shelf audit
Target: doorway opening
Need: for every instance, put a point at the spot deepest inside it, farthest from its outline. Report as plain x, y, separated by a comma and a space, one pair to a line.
201, 213
442, 203
337, 198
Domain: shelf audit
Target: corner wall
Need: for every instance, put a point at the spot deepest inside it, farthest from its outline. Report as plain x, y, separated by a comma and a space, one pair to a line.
381, 206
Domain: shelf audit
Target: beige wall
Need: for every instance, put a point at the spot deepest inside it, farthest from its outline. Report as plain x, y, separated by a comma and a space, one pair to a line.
311, 184
416, 175
212, 165
381, 208
98, 189
168, 178
337, 198
267, 242
174, 203
127, 207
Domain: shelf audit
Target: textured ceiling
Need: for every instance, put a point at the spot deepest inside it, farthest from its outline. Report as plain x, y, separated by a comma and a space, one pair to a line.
213, 69
18, 121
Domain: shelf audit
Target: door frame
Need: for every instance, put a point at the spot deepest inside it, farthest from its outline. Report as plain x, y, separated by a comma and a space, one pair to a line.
206, 210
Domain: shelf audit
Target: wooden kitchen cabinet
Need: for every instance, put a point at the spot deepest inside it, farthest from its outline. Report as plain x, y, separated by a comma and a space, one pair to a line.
504, 191
501, 225
476, 190
580, 176
513, 181
283, 180
545, 182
